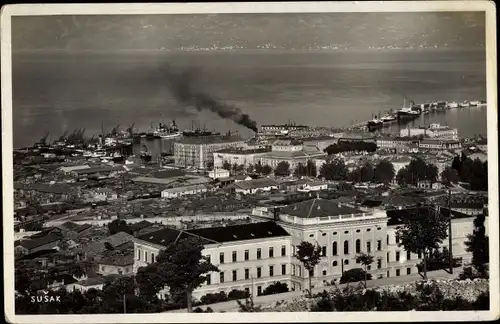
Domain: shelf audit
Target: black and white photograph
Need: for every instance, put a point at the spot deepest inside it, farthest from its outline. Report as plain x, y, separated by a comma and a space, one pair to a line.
169, 160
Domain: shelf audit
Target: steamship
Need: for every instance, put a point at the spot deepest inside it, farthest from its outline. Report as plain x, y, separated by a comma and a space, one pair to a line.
408, 113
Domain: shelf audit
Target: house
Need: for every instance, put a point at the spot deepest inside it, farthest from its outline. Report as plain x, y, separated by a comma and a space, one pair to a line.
253, 186
140, 227
427, 184
86, 284
184, 191
104, 194
73, 230
94, 250
117, 262
468, 208
32, 245
218, 173
313, 186
249, 256
70, 168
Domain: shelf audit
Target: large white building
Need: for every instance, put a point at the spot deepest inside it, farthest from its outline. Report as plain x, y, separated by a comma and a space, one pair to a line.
238, 156
250, 257
197, 152
432, 131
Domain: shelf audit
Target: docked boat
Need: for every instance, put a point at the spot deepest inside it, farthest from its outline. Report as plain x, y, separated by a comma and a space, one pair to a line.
482, 103
389, 119
198, 133
452, 105
146, 156
474, 103
464, 104
374, 124
408, 113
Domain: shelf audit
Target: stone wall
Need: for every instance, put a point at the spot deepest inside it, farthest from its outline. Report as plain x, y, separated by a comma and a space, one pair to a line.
467, 289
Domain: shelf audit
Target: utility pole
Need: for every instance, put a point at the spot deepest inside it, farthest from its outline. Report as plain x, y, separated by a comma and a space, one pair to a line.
450, 239
124, 305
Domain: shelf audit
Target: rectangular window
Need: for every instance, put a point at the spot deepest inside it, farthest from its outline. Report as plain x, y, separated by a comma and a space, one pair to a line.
247, 274
146, 256
387, 239
388, 273
369, 267
153, 258
323, 251
397, 256
247, 290
299, 270
259, 254
283, 250
419, 255
271, 271
259, 272
388, 259
221, 277
209, 259
368, 247
334, 248
379, 263
235, 275
259, 290
346, 247
209, 279
247, 254
283, 269
293, 269
397, 238
311, 273
271, 252
358, 246
234, 256
379, 245
221, 257
408, 255
408, 271
398, 272
138, 255
293, 250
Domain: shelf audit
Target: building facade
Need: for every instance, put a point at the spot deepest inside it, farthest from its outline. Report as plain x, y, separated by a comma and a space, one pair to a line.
432, 131
238, 156
250, 256
198, 153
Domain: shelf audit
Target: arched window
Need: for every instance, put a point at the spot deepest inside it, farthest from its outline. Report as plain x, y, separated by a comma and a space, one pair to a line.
334, 248
358, 246
335, 263
346, 247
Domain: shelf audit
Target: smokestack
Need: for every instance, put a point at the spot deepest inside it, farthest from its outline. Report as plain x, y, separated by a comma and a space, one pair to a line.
182, 84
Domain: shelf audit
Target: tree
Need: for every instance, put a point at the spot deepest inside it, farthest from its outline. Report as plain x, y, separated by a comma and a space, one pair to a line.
282, 169
334, 170
226, 165
422, 231
384, 171
300, 170
182, 266
309, 255
354, 275
457, 164
365, 259
310, 169
149, 282
450, 175
117, 226
477, 243
403, 177
266, 169
366, 172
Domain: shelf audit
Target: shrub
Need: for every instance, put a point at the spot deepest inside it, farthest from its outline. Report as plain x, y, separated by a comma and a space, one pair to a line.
275, 288
237, 294
214, 298
354, 275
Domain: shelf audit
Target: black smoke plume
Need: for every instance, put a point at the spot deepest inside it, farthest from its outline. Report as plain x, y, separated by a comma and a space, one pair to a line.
183, 86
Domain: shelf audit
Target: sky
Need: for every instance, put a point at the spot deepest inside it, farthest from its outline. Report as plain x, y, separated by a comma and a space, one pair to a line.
287, 31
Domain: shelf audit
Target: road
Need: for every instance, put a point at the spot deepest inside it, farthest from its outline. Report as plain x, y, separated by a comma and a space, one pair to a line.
232, 306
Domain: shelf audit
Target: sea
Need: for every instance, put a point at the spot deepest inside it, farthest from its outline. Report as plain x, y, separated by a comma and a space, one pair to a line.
54, 92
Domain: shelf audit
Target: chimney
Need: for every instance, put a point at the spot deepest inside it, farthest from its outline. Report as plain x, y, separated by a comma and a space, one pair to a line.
276, 214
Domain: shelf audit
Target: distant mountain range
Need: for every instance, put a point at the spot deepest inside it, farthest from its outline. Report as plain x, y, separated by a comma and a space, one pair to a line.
250, 31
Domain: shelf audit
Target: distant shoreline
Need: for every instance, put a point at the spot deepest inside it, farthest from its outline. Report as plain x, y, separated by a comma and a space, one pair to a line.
242, 51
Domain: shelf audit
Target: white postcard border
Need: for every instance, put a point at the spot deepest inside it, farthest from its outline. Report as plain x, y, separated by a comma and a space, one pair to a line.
269, 7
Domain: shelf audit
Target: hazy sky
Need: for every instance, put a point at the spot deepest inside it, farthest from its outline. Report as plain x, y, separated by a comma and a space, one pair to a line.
452, 29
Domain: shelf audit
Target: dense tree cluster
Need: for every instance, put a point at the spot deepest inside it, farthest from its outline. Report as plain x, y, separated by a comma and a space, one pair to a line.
355, 275
117, 226
473, 172
478, 244
308, 170
263, 169
353, 146
334, 170
417, 170
282, 169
